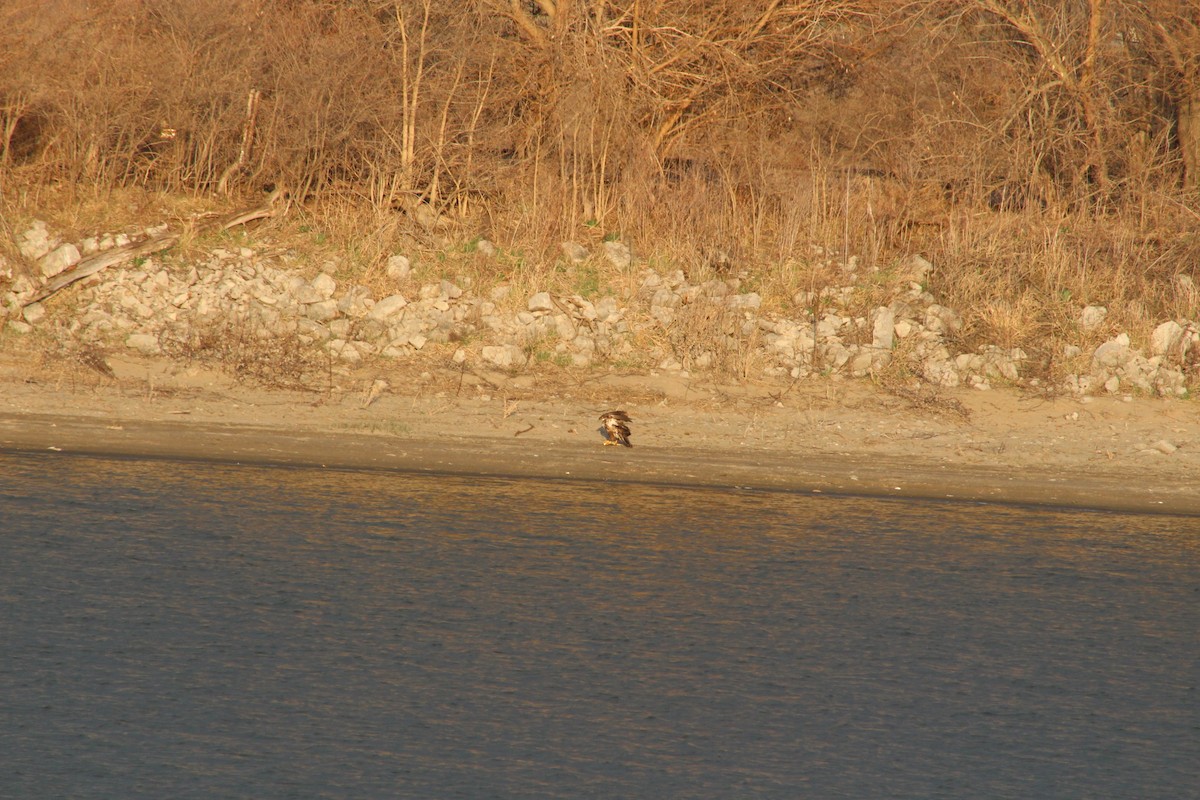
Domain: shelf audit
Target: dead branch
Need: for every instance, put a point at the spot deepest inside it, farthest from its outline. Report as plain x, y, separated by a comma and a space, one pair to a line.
150, 245
247, 142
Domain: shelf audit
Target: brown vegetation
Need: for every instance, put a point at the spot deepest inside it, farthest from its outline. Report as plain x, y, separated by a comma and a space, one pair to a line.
1041, 154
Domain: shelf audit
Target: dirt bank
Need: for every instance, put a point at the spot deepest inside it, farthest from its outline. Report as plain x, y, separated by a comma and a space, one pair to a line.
821, 435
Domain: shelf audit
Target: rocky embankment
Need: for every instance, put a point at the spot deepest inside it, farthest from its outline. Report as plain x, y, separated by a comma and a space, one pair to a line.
667, 323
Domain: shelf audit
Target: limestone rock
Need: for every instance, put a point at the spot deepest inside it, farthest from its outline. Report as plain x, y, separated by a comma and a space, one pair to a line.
387, 308
35, 241
541, 303
575, 252
1091, 317
322, 311
34, 313
1165, 338
1112, 353
883, 328
144, 343
398, 267
505, 356
61, 258
618, 254
325, 285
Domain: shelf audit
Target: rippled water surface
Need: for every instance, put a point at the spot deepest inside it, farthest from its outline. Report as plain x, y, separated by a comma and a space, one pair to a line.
197, 631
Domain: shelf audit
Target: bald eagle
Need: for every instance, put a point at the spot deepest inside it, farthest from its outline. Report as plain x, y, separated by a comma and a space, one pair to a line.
615, 427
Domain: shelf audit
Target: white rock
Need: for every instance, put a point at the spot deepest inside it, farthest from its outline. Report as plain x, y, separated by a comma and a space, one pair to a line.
398, 267
607, 309
35, 241
828, 326
918, 269
144, 343
564, 327
1112, 385
574, 252
450, 290
745, 302
1091, 317
618, 254
1165, 337
861, 363
1165, 447
386, 308
504, 356
541, 303
322, 311
940, 319
883, 328
485, 248
324, 284
34, 313
1112, 353
59, 259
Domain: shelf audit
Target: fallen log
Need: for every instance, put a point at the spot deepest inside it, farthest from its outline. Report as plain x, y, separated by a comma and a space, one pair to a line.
148, 246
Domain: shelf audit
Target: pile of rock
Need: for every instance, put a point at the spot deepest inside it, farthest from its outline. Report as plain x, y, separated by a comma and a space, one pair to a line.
146, 304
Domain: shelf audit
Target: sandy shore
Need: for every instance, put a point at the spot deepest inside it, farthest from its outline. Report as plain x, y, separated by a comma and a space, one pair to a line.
815, 436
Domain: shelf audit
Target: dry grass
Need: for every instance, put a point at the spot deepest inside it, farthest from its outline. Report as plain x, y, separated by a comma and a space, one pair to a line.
1041, 154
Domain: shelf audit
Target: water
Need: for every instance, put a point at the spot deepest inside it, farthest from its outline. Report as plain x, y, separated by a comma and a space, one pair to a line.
196, 630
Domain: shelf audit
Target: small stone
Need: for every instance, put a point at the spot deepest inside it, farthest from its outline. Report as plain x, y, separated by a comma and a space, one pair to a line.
883, 328
387, 307
322, 311
918, 269
34, 313
745, 302
1112, 385
575, 252
504, 356
144, 343
1165, 337
19, 326
1165, 447
940, 319
1091, 317
618, 254
485, 248
324, 284
450, 290
398, 267
59, 259
340, 328
541, 303
1112, 353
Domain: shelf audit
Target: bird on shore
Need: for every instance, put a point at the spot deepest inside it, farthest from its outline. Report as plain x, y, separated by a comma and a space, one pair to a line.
614, 425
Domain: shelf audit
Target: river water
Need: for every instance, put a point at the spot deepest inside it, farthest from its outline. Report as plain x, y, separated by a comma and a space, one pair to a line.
193, 630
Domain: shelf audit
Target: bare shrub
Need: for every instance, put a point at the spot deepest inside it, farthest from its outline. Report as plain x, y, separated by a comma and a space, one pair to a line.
234, 344
1041, 153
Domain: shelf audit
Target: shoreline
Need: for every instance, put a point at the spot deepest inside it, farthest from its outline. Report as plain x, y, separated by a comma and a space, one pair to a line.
852, 474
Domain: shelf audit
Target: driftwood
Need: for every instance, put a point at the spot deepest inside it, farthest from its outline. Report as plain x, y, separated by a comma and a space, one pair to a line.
149, 245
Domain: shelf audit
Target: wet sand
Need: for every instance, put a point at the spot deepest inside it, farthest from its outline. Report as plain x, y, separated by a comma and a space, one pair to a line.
827, 437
